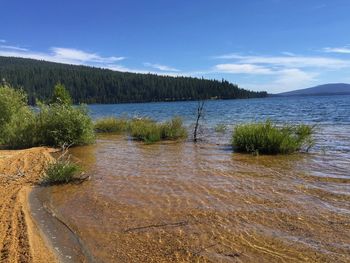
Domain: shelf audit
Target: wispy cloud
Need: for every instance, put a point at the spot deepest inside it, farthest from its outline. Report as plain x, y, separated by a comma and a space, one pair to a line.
161, 67
287, 53
285, 80
242, 69
341, 50
143, 71
13, 48
2, 41
61, 55
283, 72
289, 61
81, 56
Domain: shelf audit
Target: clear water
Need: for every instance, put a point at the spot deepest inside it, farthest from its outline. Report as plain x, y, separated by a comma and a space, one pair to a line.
186, 202
331, 114
321, 110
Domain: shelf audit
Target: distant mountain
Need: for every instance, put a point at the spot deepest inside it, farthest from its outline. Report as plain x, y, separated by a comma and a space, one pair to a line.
326, 89
96, 85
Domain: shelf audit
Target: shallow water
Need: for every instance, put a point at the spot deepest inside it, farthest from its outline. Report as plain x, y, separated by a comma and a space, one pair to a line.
176, 202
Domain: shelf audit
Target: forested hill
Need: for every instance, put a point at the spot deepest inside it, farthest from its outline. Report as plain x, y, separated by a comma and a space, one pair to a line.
95, 85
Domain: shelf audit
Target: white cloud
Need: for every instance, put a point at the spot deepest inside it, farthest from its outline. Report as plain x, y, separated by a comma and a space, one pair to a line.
289, 61
341, 50
286, 80
143, 71
294, 78
81, 56
285, 72
13, 48
161, 67
286, 53
60, 55
2, 41
242, 69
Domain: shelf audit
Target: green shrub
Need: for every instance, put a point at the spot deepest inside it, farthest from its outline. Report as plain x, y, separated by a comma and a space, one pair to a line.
111, 125
149, 131
61, 172
61, 124
21, 130
173, 129
145, 130
11, 100
268, 138
61, 95
17, 120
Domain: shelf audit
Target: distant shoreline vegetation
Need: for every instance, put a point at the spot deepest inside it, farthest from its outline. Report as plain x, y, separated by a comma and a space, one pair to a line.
103, 86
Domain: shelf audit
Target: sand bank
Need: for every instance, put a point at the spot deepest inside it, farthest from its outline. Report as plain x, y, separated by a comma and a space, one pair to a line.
20, 238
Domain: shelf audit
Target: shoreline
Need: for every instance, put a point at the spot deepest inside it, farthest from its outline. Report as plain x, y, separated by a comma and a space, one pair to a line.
21, 239
67, 245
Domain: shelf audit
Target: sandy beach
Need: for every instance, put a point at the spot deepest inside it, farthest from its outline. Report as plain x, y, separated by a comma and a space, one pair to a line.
20, 238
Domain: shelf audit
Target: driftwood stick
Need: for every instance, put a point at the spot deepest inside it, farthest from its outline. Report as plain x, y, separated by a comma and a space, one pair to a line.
181, 223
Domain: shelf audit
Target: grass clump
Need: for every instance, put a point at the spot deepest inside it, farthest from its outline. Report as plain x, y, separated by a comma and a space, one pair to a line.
173, 129
61, 172
149, 131
111, 125
145, 130
268, 138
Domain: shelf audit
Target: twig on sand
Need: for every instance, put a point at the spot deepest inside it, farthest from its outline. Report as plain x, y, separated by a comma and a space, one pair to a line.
181, 223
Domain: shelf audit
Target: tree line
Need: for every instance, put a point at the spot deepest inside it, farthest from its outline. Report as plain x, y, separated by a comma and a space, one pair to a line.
95, 85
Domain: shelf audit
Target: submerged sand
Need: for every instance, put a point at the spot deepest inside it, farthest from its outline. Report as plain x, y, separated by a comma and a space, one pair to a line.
20, 238
185, 202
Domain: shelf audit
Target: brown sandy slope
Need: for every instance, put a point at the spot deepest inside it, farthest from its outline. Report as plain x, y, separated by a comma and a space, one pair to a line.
20, 240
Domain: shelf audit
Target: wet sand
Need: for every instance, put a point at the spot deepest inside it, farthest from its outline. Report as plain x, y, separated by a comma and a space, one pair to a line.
20, 238
185, 202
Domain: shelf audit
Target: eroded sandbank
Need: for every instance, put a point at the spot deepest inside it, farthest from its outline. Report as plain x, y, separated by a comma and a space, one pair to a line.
20, 238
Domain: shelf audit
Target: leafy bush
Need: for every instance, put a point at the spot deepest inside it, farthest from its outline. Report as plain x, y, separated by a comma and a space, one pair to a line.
61, 95
17, 120
111, 125
21, 131
56, 124
61, 172
11, 101
60, 124
268, 138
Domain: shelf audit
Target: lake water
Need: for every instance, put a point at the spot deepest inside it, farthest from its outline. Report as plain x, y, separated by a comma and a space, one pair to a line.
186, 202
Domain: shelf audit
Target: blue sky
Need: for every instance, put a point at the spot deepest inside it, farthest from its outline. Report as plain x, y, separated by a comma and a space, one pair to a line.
273, 45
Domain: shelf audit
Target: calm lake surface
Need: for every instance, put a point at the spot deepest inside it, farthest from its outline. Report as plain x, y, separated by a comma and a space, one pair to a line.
186, 202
